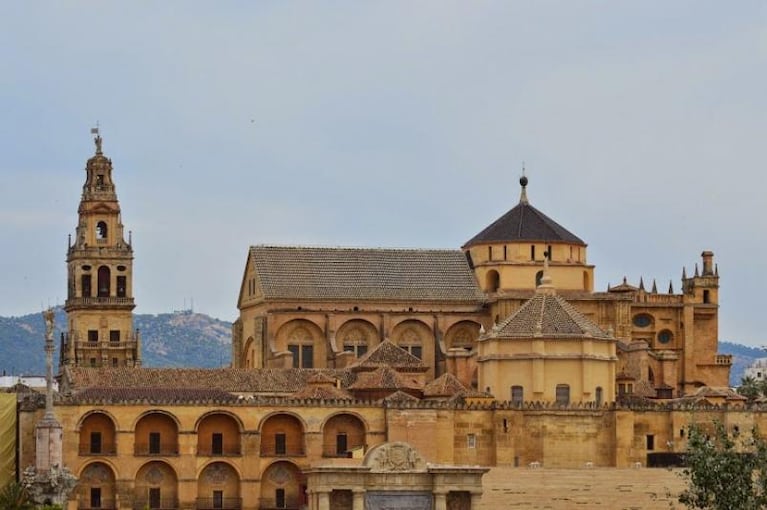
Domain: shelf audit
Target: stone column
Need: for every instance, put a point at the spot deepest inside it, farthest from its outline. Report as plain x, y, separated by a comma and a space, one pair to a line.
324, 500
359, 500
440, 500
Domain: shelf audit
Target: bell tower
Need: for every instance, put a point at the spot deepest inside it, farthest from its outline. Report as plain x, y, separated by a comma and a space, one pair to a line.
99, 301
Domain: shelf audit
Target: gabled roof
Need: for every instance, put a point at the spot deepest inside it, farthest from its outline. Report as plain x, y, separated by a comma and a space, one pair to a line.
295, 272
388, 354
524, 223
385, 379
446, 385
315, 392
549, 316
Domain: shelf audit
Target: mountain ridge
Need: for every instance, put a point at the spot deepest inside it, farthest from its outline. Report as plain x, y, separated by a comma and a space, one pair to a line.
167, 340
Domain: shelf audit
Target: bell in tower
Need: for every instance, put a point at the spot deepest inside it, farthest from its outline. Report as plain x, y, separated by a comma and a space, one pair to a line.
99, 301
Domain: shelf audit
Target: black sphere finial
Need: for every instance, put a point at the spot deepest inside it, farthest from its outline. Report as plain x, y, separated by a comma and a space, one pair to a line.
523, 181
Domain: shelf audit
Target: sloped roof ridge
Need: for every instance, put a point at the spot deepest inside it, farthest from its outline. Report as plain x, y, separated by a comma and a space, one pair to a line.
548, 315
518, 225
349, 248
388, 354
445, 385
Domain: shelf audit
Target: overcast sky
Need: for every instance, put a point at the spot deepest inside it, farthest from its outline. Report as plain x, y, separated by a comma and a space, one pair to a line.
397, 124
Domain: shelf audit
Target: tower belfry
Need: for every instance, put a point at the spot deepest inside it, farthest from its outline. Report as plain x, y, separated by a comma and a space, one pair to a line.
99, 301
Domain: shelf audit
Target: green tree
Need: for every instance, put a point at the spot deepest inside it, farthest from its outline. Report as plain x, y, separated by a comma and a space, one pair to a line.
750, 388
15, 497
724, 472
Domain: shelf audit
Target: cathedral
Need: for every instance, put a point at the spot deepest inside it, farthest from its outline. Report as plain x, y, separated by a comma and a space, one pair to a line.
366, 378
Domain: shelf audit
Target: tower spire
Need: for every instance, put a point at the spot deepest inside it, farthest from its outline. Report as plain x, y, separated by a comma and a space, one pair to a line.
523, 183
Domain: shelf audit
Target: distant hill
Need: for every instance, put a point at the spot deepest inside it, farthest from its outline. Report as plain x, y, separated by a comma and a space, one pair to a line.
168, 340
742, 357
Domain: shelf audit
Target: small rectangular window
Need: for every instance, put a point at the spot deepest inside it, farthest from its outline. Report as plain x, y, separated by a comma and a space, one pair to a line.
293, 349
341, 443
416, 351
154, 498
280, 444
115, 362
122, 287
93, 335
93, 362
517, 395
532, 252
279, 498
95, 442
218, 499
85, 284
471, 441
650, 442
307, 356
114, 335
154, 443
217, 443
95, 497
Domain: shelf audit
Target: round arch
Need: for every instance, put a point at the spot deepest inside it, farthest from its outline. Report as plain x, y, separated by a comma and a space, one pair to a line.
462, 334
492, 281
230, 414
219, 433
415, 337
218, 486
248, 356
156, 485
358, 336
96, 411
282, 434
305, 340
97, 434
283, 485
155, 411
342, 433
96, 487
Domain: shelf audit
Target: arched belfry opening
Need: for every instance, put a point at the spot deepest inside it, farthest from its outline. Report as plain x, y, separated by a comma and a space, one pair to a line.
492, 281
101, 230
104, 276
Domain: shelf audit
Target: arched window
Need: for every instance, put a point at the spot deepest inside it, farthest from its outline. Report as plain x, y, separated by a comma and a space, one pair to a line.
492, 281
599, 396
101, 230
586, 283
538, 278
104, 278
563, 394
85, 285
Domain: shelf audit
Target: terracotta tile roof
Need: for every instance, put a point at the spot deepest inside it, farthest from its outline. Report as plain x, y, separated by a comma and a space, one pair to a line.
401, 396
548, 316
153, 395
388, 354
294, 272
234, 380
385, 378
322, 393
446, 385
524, 223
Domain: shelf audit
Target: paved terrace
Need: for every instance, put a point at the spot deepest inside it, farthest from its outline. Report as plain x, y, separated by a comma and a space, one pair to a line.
595, 488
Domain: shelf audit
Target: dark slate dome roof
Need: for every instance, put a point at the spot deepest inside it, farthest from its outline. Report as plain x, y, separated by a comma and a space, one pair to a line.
524, 223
